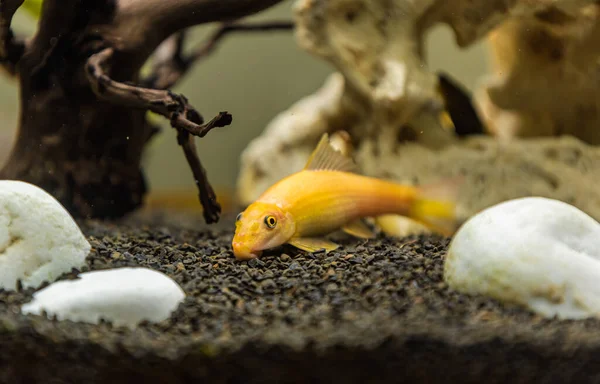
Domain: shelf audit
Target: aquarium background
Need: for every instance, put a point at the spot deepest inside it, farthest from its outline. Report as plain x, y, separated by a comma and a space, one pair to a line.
252, 76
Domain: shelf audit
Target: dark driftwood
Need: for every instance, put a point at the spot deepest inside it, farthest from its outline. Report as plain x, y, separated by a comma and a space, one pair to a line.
82, 127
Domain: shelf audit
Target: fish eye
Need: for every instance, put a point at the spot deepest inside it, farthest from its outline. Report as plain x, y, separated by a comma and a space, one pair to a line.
270, 221
238, 217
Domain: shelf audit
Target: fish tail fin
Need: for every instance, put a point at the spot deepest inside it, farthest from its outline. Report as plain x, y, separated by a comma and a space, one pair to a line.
435, 205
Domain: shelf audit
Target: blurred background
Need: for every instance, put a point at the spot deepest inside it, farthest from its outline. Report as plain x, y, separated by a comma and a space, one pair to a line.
252, 76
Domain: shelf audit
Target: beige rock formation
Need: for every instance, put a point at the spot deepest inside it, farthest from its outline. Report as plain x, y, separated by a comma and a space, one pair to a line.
546, 76
565, 169
385, 98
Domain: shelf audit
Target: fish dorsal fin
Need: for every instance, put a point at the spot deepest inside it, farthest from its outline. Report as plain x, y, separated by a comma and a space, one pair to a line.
324, 157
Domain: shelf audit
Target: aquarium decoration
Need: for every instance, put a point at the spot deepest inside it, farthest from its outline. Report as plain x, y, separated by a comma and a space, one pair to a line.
93, 293
122, 296
392, 106
39, 240
540, 253
84, 122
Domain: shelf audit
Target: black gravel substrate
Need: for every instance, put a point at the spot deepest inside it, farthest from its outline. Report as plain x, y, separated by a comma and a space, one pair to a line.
372, 312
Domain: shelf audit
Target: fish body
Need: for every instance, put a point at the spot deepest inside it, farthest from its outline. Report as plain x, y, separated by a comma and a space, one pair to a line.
327, 195
322, 201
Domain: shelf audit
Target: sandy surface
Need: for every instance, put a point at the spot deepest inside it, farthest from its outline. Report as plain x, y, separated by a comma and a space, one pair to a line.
374, 311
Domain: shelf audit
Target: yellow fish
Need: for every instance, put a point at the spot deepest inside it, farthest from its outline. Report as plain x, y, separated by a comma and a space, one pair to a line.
328, 195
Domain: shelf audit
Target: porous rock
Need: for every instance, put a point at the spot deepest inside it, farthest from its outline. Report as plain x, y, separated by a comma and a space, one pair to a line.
39, 240
565, 169
545, 74
292, 135
123, 296
545, 84
544, 50
540, 253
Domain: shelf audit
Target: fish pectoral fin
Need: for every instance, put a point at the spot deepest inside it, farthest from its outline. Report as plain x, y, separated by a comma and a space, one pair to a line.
325, 157
313, 244
358, 228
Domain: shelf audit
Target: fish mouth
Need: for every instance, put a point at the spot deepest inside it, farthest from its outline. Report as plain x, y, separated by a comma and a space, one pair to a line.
248, 255
244, 253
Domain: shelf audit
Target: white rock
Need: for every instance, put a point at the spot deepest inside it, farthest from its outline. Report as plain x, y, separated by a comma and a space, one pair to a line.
124, 296
537, 252
39, 240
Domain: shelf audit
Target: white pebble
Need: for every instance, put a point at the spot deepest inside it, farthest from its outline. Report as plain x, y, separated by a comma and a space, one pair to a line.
540, 253
124, 296
39, 240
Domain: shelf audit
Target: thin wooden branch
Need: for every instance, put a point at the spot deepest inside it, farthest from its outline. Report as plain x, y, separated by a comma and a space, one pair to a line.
174, 107
211, 209
168, 63
11, 49
171, 65
183, 117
